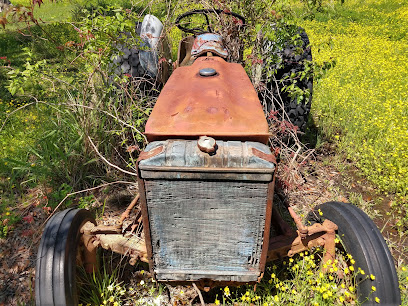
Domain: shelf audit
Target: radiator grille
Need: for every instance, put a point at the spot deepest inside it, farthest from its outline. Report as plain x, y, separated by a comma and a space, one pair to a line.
203, 229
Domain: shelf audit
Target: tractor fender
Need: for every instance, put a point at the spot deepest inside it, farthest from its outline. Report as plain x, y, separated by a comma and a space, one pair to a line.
150, 33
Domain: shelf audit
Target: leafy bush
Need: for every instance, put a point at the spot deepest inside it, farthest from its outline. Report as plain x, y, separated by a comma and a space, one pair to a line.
52, 41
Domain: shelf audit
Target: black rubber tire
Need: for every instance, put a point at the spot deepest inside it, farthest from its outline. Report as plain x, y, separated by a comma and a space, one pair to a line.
128, 63
292, 61
363, 240
55, 273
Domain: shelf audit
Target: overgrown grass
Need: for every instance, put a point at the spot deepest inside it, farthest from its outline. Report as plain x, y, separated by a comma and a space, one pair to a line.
362, 100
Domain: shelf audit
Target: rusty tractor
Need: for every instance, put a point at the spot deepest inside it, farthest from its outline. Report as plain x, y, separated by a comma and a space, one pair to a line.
204, 213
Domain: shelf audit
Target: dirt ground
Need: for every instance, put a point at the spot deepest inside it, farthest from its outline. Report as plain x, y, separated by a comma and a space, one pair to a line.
319, 181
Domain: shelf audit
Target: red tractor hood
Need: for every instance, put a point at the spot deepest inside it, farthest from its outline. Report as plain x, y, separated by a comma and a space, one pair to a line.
224, 106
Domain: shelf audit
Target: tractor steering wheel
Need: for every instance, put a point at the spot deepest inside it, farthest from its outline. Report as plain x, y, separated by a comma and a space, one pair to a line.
198, 31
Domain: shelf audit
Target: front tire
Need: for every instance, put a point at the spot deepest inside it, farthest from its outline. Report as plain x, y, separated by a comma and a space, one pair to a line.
362, 239
55, 275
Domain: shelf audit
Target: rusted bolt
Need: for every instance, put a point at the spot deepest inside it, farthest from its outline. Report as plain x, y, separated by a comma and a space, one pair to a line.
118, 224
303, 233
330, 226
206, 144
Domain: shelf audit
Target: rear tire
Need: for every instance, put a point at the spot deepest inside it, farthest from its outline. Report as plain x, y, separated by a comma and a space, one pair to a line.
55, 273
292, 61
128, 63
362, 239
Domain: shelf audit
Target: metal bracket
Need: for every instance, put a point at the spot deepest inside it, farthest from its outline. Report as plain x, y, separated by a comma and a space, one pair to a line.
305, 238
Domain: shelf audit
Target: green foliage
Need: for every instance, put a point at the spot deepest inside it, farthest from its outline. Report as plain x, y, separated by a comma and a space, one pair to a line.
54, 42
48, 142
86, 202
7, 219
101, 287
301, 280
56, 196
74, 105
403, 280
25, 80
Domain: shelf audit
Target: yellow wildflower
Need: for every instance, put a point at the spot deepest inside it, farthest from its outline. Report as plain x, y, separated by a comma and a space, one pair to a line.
227, 291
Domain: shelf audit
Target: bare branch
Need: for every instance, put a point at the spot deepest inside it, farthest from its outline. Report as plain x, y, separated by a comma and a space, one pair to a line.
108, 162
110, 115
78, 192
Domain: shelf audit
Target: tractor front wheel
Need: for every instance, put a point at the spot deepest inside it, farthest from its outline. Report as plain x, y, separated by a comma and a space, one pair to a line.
55, 275
361, 238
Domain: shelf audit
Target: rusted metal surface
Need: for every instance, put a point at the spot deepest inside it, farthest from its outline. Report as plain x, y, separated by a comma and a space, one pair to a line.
207, 284
105, 229
208, 42
126, 213
150, 153
134, 246
279, 246
303, 230
184, 213
143, 206
89, 252
145, 221
184, 52
329, 240
281, 225
266, 156
224, 106
111, 238
232, 160
318, 235
268, 218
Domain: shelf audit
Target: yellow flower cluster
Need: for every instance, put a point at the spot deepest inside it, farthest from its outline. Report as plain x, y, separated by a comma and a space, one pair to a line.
364, 96
21, 128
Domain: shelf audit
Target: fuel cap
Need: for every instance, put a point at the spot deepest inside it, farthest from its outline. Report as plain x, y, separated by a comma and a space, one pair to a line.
206, 144
207, 72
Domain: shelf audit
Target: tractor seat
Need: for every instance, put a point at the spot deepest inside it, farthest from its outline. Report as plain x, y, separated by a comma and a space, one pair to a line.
193, 47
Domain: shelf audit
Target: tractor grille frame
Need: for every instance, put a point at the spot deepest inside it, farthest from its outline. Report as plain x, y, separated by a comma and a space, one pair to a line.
205, 223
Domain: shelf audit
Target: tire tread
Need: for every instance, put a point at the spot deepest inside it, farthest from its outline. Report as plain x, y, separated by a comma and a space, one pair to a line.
369, 249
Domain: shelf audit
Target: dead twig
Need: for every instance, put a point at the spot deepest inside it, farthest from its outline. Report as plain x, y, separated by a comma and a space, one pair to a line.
108, 162
110, 115
78, 192
199, 294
